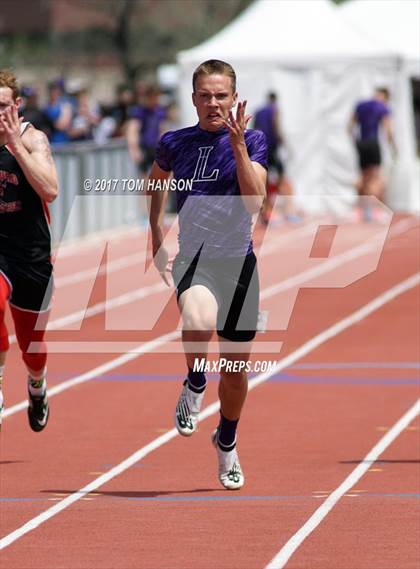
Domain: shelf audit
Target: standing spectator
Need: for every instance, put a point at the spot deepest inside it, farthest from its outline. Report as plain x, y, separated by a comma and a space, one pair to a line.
31, 111
58, 112
120, 112
144, 129
368, 117
85, 118
267, 120
140, 89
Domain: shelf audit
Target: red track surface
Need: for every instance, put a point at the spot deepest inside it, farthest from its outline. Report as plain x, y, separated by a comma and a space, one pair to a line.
301, 434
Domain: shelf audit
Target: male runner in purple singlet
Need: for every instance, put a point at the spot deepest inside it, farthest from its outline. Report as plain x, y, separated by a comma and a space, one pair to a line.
215, 271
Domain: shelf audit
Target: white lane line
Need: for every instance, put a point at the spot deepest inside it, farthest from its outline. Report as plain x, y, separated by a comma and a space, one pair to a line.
81, 245
330, 264
88, 274
283, 556
97, 371
112, 303
214, 407
341, 325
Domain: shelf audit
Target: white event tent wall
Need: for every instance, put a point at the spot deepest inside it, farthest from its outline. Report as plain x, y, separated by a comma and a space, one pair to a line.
396, 25
320, 66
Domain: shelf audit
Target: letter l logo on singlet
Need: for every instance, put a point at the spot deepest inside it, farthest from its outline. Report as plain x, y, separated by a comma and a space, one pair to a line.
200, 168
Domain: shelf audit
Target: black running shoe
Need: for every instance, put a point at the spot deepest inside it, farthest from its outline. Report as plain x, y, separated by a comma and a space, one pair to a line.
38, 412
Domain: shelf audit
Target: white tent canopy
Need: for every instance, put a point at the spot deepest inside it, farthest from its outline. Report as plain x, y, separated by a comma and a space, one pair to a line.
320, 66
393, 23
297, 29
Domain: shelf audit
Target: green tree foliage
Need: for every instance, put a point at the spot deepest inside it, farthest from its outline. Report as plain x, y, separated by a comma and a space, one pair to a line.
138, 35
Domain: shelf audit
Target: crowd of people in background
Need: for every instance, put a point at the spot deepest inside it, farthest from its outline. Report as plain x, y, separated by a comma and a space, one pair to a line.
71, 114
142, 114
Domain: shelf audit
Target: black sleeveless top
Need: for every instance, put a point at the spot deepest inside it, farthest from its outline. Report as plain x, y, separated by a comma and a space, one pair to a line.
24, 217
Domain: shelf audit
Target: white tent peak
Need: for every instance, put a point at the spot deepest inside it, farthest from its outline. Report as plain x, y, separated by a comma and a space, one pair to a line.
395, 23
321, 64
296, 29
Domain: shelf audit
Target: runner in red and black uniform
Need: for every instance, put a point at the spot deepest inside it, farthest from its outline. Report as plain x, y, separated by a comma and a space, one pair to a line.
28, 181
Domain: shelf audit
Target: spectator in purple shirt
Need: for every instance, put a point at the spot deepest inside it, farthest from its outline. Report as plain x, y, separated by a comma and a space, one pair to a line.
368, 118
144, 129
267, 120
215, 271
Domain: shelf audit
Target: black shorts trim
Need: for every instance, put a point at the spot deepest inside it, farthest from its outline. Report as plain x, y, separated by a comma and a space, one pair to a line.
31, 284
235, 284
369, 153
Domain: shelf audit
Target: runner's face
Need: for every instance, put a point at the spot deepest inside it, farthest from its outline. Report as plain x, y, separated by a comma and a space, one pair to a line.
213, 98
6, 100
